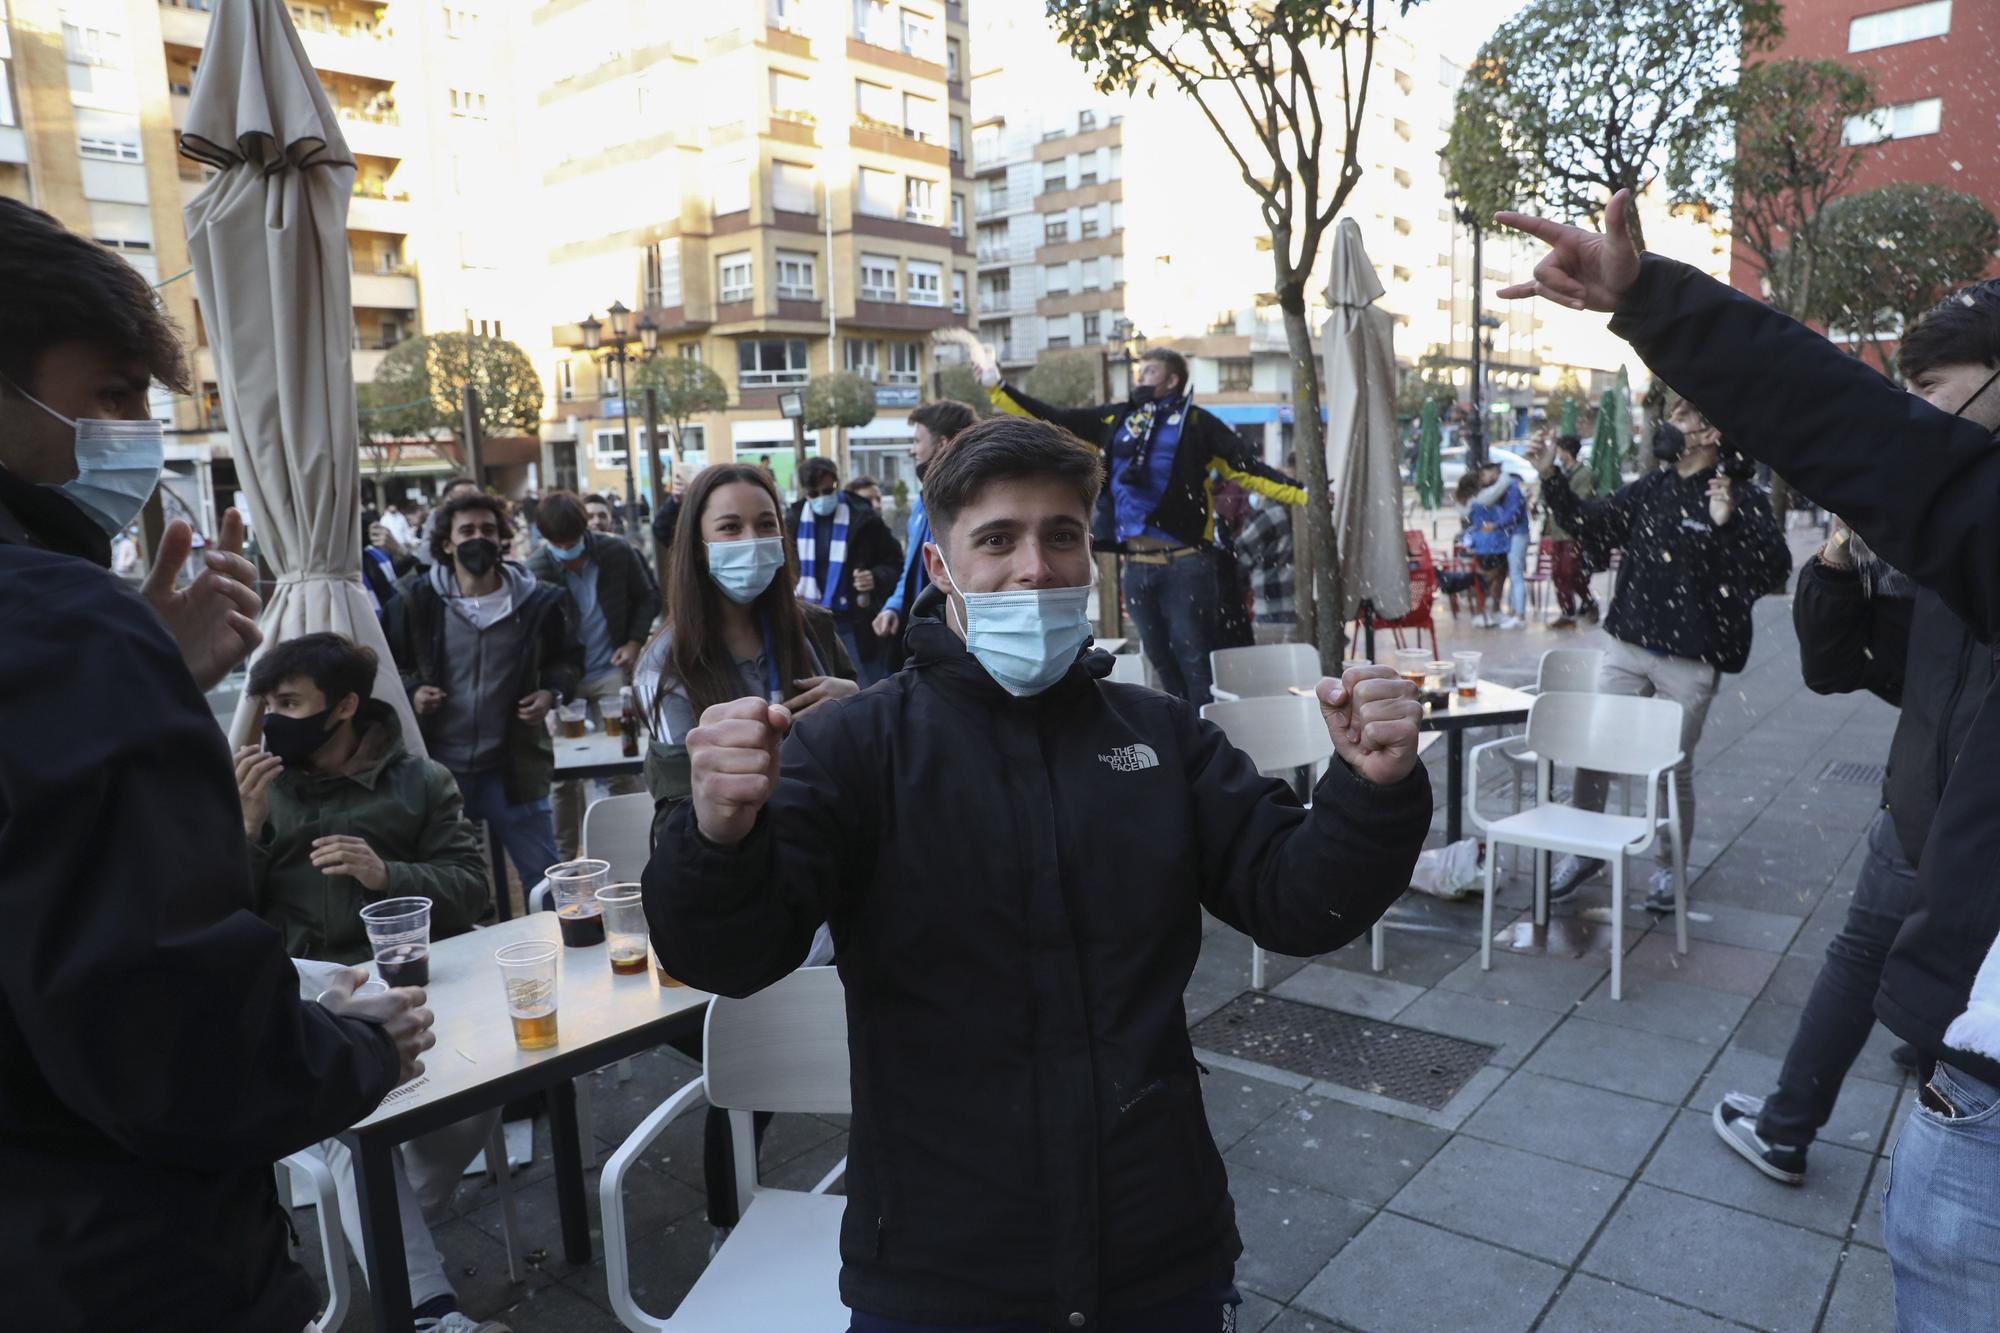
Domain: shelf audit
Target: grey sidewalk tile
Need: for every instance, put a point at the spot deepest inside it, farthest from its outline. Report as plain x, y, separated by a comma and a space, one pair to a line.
1409, 956
1868, 1225
1859, 1115
1400, 1276
1792, 981
664, 1267
1570, 1122
1592, 1305
1718, 1259
1536, 1204
1360, 1155
1256, 1312
1640, 1064
1864, 1295
1693, 1160
1668, 1008
1217, 1062
559, 1309
1297, 1321
1447, 1117
1554, 984
1513, 1028
1708, 964
1742, 926
1237, 1104
1350, 992
1288, 1230
1767, 1028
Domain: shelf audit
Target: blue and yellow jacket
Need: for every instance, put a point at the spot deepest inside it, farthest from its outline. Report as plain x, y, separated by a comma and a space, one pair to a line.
1207, 449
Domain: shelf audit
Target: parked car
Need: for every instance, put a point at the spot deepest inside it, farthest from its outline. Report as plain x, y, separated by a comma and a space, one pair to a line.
1513, 464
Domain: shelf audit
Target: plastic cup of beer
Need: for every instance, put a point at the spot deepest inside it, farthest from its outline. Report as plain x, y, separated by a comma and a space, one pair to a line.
574, 719
1465, 669
624, 927
611, 712
528, 973
1411, 664
399, 935
578, 914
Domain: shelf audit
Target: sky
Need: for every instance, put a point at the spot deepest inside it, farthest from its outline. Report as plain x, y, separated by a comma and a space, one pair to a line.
1457, 26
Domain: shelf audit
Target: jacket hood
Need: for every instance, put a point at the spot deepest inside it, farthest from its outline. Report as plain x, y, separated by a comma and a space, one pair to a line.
513, 577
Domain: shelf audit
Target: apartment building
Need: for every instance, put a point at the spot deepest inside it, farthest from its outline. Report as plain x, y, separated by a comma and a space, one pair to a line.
785, 194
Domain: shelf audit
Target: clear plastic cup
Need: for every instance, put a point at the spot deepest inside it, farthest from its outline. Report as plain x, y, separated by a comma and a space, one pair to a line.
1465, 669
399, 935
573, 720
611, 714
528, 972
1411, 663
1348, 664
624, 927
575, 885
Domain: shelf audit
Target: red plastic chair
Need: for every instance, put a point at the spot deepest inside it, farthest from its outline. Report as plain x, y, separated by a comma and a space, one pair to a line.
1423, 592
1538, 578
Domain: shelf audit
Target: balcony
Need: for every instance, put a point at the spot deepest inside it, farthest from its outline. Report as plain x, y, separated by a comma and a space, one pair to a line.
384, 291
359, 49
885, 137
368, 363
182, 26
371, 133
379, 212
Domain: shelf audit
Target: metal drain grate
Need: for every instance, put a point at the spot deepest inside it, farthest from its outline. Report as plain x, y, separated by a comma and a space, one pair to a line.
1405, 1064
1860, 775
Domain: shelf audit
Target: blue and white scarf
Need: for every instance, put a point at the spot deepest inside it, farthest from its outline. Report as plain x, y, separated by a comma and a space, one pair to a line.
816, 584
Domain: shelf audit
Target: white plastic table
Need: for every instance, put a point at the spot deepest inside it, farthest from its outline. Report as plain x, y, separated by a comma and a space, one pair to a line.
1496, 706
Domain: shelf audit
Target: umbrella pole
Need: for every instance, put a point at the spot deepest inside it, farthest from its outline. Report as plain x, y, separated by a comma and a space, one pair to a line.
1368, 627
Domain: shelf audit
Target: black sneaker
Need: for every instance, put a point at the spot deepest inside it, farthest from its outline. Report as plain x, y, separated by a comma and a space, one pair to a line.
1735, 1120
1569, 875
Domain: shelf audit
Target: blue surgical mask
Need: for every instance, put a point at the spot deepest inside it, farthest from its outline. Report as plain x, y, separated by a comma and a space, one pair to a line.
1026, 638
824, 505
567, 553
118, 466
743, 569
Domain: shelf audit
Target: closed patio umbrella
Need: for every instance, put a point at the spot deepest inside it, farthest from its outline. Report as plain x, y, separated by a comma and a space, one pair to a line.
1608, 453
1428, 474
1361, 435
268, 240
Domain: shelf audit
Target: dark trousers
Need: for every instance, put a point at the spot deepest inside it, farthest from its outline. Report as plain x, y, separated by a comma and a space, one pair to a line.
1840, 1012
1175, 607
1571, 579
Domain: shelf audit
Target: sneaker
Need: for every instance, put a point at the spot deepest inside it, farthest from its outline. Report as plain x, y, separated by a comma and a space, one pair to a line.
1569, 875
1512, 622
1660, 891
1593, 613
1563, 622
1482, 622
456, 1321
1735, 1119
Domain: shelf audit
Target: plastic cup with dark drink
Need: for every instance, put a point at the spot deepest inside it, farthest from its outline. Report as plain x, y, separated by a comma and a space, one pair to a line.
528, 972
399, 935
578, 913
624, 928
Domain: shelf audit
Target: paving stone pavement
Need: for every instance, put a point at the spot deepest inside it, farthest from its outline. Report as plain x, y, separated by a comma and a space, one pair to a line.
1584, 1191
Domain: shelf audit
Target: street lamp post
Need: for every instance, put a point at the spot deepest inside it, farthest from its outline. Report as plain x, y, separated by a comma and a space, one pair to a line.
615, 354
1475, 439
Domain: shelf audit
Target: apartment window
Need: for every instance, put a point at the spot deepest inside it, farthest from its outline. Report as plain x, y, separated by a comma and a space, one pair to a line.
729, 186
871, 21
875, 105
660, 275
1055, 230
1086, 169
916, 30
798, 275
467, 105
691, 351
920, 200
958, 215
957, 292
1402, 226
784, 13
985, 142
735, 275
1091, 269
1055, 279
1092, 324
790, 99
957, 138
862, 356
920, 118
1892, 27
1055, 176
906, 363
1233, 374
1086, 121
763, 362
926, 282
565, 380
992, 241
996, 289
1058, 340
106, 150
460, 22
792, 187
1087, 224
1908, 120
1403, 178
954, 56
878, 278
1399, 273
877, 193
6, 98
608, 446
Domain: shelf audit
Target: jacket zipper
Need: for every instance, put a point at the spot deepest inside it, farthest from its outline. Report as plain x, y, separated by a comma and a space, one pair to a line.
1950, 711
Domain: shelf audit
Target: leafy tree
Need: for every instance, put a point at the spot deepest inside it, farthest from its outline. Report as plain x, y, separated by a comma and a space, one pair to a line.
1890, 254
1066, 379
431, 374
960, 383
843, 400
1428, 381
1255, 71
685, 389
1571, 101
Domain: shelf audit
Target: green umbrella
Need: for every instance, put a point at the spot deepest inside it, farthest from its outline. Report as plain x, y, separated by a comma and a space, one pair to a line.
1429, 470
1613, 431
1569, 416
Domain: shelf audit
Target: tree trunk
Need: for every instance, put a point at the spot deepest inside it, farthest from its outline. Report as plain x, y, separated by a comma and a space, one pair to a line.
1322, 593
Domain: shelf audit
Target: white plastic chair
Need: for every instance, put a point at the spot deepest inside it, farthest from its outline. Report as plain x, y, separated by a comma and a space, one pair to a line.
1263, 671
1611, 733
1571, 670
312, 1168
1282, 734
782, 1049
618, 829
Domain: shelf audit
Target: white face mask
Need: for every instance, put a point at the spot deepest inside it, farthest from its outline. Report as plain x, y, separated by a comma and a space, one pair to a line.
117, 462
1026, 638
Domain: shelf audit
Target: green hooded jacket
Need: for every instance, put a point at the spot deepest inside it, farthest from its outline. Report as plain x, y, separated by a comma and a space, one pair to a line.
409, 812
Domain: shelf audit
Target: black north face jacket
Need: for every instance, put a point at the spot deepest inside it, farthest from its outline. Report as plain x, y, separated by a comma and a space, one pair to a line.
1015, 888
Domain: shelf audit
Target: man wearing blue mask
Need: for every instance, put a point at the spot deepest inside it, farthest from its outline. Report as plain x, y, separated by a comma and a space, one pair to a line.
1013, 853
156, 1056
848, 561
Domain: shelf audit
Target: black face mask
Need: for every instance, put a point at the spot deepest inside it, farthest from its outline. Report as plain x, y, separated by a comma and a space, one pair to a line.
1669, 442
477, 556
296, 739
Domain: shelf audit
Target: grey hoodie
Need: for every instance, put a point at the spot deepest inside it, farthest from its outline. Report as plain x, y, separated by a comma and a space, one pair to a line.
481, 668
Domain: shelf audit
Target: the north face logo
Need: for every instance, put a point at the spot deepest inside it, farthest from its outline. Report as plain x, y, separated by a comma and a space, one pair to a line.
1131, 758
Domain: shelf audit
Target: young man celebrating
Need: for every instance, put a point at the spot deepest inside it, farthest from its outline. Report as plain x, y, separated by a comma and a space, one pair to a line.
847, 560
1013, 854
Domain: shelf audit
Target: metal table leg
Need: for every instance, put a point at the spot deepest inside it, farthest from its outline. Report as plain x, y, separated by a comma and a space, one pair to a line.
1454, 784
381, 1233
569, 1172
503, 907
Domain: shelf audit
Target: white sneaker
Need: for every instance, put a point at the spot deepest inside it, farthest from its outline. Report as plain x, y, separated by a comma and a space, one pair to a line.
1660, 891
1512, 622
1481, 622
457, 1322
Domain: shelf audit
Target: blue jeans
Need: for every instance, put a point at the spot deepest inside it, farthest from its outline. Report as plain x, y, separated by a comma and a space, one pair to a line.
1840, 1012
1174, 606
1517, 573
1941, 1220
527, 831
864, 652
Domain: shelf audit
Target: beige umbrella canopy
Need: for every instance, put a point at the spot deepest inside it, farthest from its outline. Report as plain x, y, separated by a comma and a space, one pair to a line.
1361, 434
268, 238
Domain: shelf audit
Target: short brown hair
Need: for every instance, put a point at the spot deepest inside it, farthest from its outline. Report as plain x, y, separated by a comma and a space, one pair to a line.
63, 287
335, 663
1175, 363
945, 418
561, 517
1007, 448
